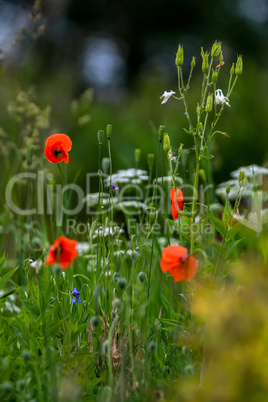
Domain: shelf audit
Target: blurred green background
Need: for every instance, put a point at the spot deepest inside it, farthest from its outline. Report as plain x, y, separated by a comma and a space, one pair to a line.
125, 51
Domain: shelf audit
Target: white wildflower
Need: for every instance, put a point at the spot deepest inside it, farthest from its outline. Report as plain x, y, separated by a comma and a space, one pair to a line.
220, 99
166, 95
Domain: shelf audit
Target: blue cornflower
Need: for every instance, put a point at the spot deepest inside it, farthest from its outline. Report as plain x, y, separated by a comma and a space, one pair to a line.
76, 295
114, 187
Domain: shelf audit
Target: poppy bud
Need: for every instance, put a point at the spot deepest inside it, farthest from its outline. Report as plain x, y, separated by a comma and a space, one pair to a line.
205, 64
152, 347
137, 155
105, 347
100, 136
117, 303
232, 69
122, 283
193, 62
109, 130
166, 143
214, 76
179, 56
26, 355
95, 321
6, 387
239, 65
105, 164
209, 103
150, 160
142, 277
216, 49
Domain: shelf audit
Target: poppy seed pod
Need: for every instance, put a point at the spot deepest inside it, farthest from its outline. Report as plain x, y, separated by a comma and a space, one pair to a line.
161, 131
179, 56
95, 321
150, 160
109, 130
100, 136
137, 155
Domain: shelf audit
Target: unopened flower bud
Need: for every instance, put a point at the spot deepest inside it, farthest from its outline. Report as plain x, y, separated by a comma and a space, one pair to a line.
150, 160
100, 136
216, 49
245, 181
142, 277
137, 155
214, 76
166, 143
228, 189
180, 149
95, 321
209, 103
109, 130
221, 57
152, 347
179, 56
232, 69
117, 303
205, 64
122, 283
193, 62
239, 65
26, 355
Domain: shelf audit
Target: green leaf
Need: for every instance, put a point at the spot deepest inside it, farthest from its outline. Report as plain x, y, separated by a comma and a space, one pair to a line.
210, 156
232, 246
217, 223
6, 277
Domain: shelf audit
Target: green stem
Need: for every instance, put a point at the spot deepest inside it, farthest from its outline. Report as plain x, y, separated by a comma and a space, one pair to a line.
195, 192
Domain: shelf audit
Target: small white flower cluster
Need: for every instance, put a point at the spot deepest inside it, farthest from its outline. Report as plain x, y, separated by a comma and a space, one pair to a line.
134, 176
220, 99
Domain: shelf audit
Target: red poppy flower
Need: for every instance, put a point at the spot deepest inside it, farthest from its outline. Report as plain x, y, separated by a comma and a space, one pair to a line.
176, 202
175, 261
57, 147
63, 251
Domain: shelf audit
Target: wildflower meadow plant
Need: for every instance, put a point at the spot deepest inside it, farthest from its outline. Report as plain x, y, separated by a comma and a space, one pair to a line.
126, 308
